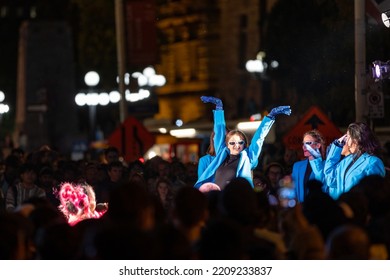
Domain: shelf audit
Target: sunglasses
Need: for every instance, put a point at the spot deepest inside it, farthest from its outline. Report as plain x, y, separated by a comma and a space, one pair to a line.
239, 143
309, 143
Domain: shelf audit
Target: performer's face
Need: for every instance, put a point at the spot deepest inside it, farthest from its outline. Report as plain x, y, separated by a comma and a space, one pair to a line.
309, 140
235, 144
351, 144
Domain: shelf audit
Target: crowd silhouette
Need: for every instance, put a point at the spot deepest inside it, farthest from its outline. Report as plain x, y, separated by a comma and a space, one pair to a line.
155, 212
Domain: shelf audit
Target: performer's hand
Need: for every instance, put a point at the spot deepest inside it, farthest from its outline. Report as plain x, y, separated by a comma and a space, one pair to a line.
314, 152
286, 110
342, 140
101, 207
214, 100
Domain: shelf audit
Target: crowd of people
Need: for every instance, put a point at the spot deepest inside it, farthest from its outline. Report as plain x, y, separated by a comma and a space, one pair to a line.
332, 204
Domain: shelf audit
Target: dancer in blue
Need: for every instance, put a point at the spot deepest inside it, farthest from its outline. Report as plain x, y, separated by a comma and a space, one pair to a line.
313, 146
345, 167
235, 157
217, 137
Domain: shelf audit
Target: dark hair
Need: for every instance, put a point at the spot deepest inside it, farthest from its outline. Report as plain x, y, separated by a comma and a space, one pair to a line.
111, 149
26, 167
190, 205
274, 163
113, 164
364, 137
166, 181
211, 148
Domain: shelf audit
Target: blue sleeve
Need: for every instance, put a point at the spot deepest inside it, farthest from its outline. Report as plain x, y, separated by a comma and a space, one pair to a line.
331, 167
203, 163
257, 142
317, 166
219, 130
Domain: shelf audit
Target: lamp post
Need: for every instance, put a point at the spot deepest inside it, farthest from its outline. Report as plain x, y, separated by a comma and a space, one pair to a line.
92, 79
91, 99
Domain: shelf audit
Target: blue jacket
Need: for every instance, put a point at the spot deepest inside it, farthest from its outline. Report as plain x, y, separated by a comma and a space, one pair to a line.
219, 139
298, 175
249, 157
339, 180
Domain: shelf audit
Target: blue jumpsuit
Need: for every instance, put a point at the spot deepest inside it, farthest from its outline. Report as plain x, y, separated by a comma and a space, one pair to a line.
340, 180
298, 175
248, 157
219, 139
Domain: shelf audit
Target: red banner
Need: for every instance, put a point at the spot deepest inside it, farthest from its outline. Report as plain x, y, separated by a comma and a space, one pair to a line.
140, 21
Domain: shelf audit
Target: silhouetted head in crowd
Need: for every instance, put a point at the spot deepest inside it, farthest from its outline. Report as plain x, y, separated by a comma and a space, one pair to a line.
322, 210
348, 242
239, 202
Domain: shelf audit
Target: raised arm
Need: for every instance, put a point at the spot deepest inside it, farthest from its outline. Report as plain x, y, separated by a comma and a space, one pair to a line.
262, 131
219, 128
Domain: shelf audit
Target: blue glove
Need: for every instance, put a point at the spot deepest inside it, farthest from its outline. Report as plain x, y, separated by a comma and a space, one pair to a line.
315, 153
215, 100
279, 110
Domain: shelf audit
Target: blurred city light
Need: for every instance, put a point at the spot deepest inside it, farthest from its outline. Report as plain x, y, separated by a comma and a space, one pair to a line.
183, 133
380, 70
4, 108
92, 78
386, 19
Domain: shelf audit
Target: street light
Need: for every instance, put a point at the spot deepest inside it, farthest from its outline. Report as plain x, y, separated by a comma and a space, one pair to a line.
259, 65
380, 70
4, 108
92, 99
385, 18
146, 80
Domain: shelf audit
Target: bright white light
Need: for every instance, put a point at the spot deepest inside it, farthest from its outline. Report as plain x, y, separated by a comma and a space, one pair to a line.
81, 99
142, 80
377, 71
255, 117
127, 79
136, 96
248, 126
2, 96
157, 80
274, 64
385, 20
92, 99
103, 99
4, 108
151, 154
114, 96
179, 122
135, 75
162, 130
91, 78
183, 133
149, 78
149, 72
255, 66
